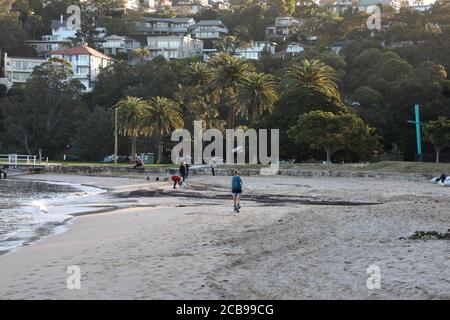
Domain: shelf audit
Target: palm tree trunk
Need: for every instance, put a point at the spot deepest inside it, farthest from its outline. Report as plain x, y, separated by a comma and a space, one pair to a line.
160, 148
438, 151
133, 149
328, 156
231, 117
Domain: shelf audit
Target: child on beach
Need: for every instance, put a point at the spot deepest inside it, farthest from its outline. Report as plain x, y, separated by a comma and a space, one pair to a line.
236, 190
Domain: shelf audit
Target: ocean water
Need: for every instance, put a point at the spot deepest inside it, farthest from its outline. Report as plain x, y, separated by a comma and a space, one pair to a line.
30, 210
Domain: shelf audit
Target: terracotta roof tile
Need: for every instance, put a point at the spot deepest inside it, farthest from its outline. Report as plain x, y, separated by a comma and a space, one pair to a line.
81, 50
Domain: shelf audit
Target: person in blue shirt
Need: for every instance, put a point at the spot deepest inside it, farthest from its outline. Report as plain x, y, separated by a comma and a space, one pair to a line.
236, 190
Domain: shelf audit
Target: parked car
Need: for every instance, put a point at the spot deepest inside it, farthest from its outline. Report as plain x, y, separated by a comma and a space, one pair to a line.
111, 158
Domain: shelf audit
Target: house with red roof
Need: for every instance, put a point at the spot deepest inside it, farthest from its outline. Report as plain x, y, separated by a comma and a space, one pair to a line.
86, 63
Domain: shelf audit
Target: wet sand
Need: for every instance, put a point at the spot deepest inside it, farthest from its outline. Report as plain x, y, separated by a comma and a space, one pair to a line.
295, 238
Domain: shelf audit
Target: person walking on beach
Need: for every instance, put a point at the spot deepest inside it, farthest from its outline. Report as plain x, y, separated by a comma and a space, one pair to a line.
236, 190
213, 167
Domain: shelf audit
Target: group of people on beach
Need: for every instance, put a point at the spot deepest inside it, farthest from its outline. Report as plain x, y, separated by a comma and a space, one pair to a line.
182, 177
236, 183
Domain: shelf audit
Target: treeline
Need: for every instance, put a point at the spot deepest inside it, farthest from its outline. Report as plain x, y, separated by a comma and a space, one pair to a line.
366, 93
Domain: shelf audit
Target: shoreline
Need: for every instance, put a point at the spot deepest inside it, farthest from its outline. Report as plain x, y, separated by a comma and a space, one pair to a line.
188, 244
51, 206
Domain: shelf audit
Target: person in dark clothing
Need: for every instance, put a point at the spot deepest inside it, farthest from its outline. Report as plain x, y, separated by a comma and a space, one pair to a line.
139, 163
187, 170
441, 178
183, 171
213, 168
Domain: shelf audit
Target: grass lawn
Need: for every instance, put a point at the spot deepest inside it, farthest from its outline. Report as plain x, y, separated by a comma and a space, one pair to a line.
384, 166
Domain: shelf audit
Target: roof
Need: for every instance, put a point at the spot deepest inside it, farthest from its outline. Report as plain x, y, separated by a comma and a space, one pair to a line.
374, 2
181, 20
81, 50
327, 2
116, 37
209, 23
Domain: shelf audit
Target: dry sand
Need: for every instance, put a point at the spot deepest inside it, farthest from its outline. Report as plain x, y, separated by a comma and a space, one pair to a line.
295, 238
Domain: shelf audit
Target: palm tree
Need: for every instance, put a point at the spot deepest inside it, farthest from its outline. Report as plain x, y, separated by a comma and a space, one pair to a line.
200, 94
229, 71
257, 94
129, 115
199, 74
140, 54
160, 117
313, 75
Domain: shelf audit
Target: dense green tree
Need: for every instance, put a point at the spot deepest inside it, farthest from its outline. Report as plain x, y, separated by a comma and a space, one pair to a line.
332, 132
44, 115
438, 133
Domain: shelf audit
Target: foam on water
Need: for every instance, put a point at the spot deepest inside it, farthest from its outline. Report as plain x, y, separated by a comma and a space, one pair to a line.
30, 210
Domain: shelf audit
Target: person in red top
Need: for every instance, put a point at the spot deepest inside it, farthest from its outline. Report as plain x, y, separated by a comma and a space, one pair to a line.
176, 179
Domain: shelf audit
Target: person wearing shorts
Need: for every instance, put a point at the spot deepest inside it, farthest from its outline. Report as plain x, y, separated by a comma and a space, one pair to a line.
236, 190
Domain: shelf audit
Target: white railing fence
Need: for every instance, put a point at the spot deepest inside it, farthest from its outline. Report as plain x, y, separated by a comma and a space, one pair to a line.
16, 159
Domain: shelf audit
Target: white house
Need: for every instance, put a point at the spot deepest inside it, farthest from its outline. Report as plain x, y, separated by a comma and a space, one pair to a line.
284, 27
174, 47
256, 50
209, 30
114, 44
86, 63
62, 37
294, 49
189, 7
151, 26
17, 70
364, 5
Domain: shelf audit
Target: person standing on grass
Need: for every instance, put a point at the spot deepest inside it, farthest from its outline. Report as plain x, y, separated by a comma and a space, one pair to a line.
236, 190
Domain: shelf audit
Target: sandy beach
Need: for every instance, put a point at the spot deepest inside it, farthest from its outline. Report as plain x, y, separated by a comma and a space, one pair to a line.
295, 238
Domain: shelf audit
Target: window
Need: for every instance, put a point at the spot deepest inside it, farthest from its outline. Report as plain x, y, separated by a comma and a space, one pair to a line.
83, 59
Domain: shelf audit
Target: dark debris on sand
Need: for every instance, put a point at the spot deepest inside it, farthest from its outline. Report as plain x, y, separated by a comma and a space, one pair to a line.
266, 199
430, 235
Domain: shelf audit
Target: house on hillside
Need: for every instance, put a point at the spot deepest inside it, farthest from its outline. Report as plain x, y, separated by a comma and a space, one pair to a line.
151, 26
17, 70
189, 7
337, 46
256, 49
364, 5
115, 44
174, 47
208, 30
62, 37
86, 63
283, 28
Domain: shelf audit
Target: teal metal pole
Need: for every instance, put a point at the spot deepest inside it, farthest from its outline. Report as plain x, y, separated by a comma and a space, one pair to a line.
419, 138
